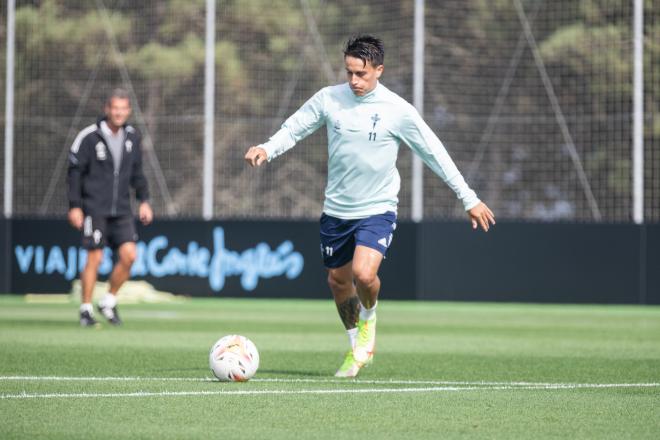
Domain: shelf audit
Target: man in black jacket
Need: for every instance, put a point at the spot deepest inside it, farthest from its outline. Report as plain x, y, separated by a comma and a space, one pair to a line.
104, 162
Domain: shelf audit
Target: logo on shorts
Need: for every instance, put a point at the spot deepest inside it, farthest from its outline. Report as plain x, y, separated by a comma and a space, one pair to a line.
100, 151
87, 226
386, 242
328, 250
97, 236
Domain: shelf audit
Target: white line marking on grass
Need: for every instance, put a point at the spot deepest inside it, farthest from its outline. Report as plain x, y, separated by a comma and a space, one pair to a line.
25, 395
463, 384
459, 383
106, 379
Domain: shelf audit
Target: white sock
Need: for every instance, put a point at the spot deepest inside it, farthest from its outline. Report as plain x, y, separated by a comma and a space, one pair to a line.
352, 335
87, 307
367, 314
109, 300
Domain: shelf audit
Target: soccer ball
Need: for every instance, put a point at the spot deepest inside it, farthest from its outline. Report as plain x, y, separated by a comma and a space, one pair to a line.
234, 358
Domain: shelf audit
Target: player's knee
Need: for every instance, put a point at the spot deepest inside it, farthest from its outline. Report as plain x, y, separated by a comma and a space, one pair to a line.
364, 277
129, 259
128, 255
337, 283
94, 258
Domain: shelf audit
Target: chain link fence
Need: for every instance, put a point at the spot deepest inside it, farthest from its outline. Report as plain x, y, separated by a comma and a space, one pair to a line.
533, 99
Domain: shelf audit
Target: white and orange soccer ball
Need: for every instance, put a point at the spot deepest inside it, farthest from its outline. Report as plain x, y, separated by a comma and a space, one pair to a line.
234, 358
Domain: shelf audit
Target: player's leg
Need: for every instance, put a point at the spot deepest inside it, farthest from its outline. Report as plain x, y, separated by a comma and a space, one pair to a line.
365, 265
343, 290
89, 274
341, 284
337, 247
372, 237
93, 240
121, 234
122, 271
88, 281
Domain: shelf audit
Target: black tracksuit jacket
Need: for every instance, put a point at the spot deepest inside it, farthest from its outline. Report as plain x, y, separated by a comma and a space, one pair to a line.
93, 184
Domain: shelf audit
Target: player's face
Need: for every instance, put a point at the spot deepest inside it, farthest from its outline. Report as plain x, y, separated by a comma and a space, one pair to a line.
118, 110
362, 77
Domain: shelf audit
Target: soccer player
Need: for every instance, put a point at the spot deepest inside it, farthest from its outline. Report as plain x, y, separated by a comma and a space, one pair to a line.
104, 162
365, 123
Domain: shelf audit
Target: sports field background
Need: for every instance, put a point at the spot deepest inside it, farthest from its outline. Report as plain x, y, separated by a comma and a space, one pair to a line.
442, 370
534, 100
489, 89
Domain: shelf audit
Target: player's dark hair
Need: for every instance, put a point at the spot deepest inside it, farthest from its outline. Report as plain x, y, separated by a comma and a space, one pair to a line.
118, 93
366, 48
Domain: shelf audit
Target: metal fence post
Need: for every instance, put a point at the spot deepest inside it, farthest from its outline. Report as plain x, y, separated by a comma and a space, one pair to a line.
638, 112
418, 102
9, 110
209, 98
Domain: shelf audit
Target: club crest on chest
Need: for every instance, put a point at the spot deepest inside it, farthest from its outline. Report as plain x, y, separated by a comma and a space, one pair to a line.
100, 151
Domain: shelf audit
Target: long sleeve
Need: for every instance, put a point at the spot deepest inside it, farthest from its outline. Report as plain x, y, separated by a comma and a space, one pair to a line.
78, 161
421, 139
305, 121
138, 181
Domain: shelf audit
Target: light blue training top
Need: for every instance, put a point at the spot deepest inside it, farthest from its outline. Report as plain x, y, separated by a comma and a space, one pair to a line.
364, 133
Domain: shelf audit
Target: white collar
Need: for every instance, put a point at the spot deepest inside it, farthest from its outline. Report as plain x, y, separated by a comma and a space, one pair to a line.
105, 129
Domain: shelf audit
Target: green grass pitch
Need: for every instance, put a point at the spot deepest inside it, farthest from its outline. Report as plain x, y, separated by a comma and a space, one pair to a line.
442, 370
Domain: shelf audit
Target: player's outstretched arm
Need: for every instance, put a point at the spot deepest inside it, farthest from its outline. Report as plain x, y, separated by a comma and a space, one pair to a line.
481, 215
255, 156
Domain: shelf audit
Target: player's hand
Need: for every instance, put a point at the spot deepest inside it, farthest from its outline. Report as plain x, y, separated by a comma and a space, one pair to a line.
482, 216
76, 217
255, 156
145, 213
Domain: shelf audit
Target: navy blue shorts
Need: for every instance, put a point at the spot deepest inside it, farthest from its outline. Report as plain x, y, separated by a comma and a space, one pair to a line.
339, 237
